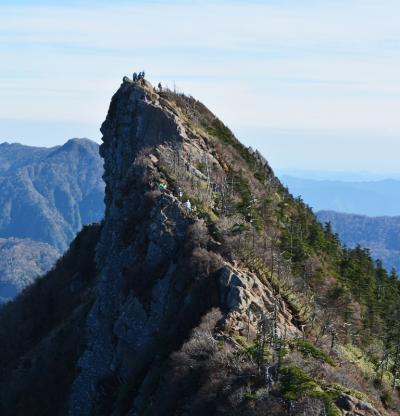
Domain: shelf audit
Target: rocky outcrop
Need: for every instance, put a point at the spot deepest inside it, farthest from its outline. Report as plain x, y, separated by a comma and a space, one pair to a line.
144, 244
247, 300
351, 406
138, 246
261, 160
173, 308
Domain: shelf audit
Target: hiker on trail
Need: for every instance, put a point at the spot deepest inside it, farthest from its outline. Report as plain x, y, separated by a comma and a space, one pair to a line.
188, 206
143, 74
134, 77
268, 376
180, 194
162, 186
164, 216
159, 87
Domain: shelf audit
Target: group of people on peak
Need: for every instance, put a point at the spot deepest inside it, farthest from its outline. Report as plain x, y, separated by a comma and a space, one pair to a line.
139, 76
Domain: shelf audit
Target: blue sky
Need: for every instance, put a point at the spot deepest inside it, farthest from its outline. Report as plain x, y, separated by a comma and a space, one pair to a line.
312, 84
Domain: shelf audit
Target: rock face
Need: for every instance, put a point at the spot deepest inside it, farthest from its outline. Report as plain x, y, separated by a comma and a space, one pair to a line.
173, 322
351, 406
46, 196
245, 298
141, 231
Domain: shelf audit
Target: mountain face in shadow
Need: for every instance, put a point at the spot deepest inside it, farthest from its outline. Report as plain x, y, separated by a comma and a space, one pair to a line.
46, 196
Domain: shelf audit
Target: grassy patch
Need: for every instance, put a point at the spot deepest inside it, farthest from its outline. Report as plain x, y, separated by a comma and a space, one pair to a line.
356, 355
296, 383
387, 399
250, 395
250, 350
308, 349
336, 389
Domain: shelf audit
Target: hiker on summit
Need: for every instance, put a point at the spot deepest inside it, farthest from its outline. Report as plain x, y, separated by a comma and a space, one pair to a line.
140, 78
134, 77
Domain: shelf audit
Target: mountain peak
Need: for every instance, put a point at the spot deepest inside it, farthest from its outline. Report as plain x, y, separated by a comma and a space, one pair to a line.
208, 289
7, 144
80, 142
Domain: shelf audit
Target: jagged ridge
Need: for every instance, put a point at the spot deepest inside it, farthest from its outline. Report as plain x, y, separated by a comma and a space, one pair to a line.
208, 312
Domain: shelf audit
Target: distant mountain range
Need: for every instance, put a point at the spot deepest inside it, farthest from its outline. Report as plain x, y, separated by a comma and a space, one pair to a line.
372, 198
380, 234
46, 195
337, 175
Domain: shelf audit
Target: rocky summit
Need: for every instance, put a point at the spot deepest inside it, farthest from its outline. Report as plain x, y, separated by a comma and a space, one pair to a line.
208, 289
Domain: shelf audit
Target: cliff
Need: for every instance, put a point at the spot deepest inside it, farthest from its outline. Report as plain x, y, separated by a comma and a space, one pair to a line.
155, 283
232, 306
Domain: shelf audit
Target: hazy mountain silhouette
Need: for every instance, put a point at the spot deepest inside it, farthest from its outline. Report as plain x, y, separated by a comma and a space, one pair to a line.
372, 198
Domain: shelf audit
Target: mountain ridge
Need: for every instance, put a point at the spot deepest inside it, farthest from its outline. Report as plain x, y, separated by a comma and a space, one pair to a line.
12, 155
46, 195
66, 177
238, 303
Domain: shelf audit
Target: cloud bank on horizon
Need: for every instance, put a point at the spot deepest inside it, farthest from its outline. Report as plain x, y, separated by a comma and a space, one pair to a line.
292, 78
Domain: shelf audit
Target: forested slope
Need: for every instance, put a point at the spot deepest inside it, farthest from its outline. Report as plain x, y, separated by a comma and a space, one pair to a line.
46, 196
381, 235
